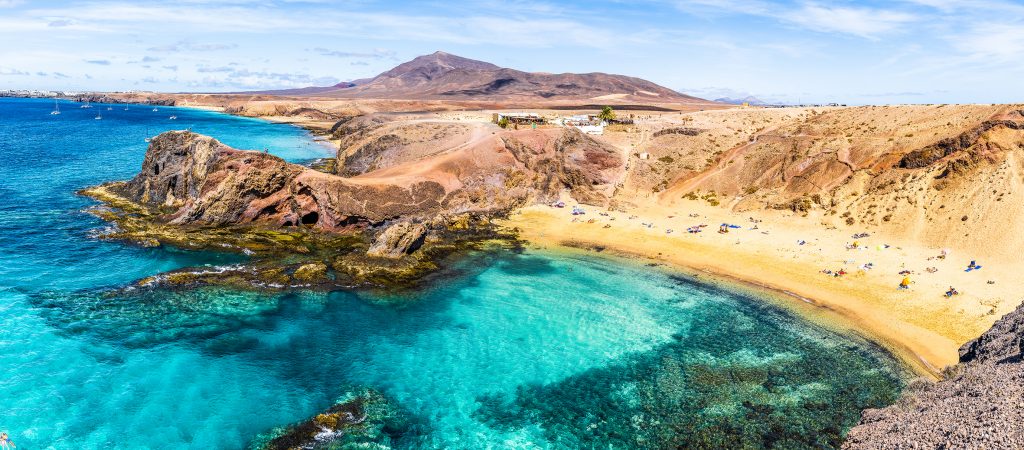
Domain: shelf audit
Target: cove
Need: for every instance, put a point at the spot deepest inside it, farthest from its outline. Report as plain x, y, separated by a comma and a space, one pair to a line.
535, 349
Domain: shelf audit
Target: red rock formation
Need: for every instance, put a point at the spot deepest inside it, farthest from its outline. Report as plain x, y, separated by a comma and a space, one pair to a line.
199, 180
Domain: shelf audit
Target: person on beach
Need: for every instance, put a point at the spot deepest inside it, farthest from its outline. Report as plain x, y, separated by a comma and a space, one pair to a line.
5, 442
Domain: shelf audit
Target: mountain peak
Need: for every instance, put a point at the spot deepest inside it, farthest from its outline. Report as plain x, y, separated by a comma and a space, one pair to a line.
442, 75
450, 61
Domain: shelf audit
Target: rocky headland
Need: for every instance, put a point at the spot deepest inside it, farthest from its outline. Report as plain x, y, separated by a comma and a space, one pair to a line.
979, 404
307, 228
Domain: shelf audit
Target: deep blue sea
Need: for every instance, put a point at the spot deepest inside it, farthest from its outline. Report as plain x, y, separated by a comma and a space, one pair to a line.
538, 349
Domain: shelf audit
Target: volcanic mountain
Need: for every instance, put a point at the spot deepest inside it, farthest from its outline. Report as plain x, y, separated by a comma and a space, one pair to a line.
443, 76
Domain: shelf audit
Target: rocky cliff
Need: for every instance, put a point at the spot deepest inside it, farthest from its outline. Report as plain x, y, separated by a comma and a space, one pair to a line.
979, 405
309, 228
196, 179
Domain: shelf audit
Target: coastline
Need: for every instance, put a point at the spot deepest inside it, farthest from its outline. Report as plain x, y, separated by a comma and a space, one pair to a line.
318, 129
918, 326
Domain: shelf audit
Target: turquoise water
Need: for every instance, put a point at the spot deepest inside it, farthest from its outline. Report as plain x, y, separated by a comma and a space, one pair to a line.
528, 350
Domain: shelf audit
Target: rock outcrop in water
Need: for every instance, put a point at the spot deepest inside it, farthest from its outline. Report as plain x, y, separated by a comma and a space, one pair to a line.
979, 405
301, 227
362, 421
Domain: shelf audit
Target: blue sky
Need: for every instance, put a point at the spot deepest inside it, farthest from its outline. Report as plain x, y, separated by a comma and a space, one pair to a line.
913, 51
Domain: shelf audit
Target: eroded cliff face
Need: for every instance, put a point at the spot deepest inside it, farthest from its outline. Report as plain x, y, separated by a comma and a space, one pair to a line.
481, 165
196, 179
303, 228
979, 405
587, 168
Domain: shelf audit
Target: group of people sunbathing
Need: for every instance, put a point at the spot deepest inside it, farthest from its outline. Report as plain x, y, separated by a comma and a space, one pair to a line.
837, 273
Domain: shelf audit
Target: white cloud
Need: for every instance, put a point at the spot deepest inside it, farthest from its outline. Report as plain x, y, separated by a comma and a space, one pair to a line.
189, 46
376, 53
858, 21
863, 22
1002, 42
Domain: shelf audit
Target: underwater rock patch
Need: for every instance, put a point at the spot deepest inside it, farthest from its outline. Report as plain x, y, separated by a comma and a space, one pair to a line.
769, 386
363, 420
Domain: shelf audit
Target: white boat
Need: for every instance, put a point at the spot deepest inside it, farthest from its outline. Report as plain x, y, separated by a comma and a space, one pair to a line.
173, 117
56, 108
99, 115
87, 105
110, 108
155, 110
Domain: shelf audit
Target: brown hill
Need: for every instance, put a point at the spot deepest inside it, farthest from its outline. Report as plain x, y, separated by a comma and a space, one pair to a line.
443, 76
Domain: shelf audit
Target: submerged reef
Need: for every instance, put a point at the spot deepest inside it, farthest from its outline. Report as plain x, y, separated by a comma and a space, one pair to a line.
771, 385
364, 419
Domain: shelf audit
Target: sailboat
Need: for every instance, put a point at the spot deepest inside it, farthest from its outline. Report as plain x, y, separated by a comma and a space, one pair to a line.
86, 105
56, 108
147, 135
99, 115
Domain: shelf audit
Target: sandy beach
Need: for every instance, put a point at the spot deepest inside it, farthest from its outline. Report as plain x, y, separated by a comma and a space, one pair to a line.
919, 324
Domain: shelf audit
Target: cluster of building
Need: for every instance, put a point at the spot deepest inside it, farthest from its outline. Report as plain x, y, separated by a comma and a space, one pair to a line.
34, 93
805, 105
586, 123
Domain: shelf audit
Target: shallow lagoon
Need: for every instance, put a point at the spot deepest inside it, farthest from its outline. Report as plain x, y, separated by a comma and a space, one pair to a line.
530, 350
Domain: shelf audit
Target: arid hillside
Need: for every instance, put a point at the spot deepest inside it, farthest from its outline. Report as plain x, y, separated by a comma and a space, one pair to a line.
938, 174
443, 76
941, 175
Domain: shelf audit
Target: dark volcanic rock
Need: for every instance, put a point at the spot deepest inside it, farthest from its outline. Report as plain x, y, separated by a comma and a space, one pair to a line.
1004, 341
144, 99
980, 404
363, 421
932, 153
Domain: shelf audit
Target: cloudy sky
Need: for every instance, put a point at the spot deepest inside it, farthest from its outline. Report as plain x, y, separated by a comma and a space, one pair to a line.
912, 51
